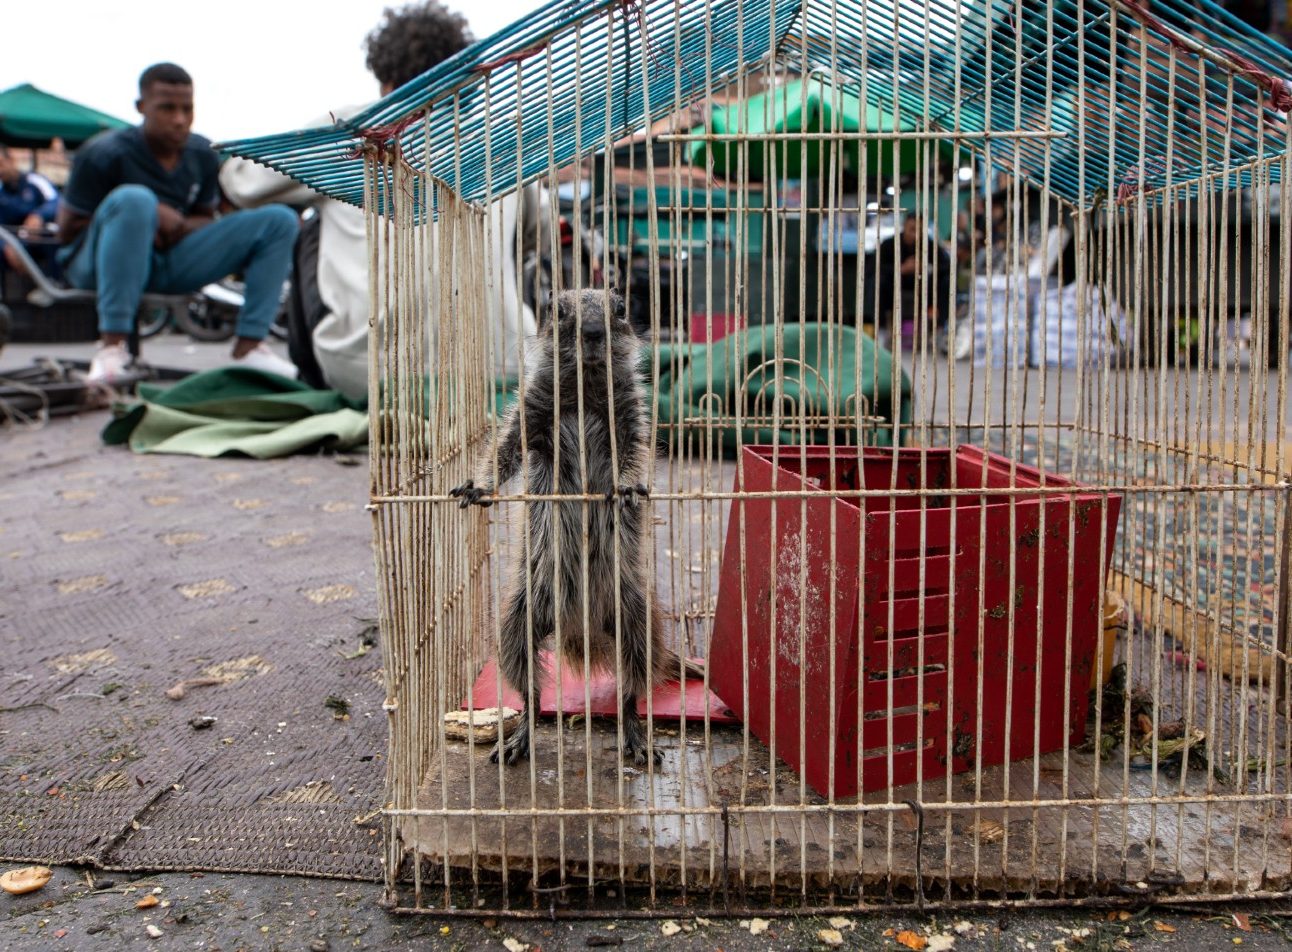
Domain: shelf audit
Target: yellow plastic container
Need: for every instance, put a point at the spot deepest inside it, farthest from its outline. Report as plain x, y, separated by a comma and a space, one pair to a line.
1115, 620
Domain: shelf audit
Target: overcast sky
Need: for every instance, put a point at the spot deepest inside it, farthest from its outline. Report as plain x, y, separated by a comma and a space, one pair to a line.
258, 67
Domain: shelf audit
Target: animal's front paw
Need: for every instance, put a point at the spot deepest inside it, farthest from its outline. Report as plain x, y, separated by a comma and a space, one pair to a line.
625, 497
470, 494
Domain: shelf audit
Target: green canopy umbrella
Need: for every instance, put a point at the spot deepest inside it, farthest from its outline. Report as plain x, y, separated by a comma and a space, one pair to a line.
805, 105
30, 118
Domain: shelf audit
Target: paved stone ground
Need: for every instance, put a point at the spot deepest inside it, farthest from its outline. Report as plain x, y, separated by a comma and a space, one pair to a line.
80, 909
226, 913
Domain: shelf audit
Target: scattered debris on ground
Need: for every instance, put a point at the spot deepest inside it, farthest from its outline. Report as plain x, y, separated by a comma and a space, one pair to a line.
18, 882
177, 691
339, 707
367, 641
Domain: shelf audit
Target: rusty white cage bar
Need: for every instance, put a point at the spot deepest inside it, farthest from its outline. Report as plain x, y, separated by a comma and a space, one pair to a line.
1132, 400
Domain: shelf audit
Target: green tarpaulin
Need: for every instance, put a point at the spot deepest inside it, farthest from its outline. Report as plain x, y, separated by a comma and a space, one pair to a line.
31, 118
805, 105
823, 368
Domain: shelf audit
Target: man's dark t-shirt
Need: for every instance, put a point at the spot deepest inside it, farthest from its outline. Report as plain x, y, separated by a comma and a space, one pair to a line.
937, 270
122, 157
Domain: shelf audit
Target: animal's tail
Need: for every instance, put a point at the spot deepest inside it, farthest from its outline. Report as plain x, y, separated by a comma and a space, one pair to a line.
669, 667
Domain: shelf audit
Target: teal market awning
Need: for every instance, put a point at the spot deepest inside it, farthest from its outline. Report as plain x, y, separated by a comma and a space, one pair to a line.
32, 118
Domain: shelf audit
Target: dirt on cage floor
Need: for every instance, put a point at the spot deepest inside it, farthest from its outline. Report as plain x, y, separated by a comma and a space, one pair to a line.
1201, 844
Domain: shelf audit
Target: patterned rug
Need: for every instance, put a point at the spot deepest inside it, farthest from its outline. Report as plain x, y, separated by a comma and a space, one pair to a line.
1215, 551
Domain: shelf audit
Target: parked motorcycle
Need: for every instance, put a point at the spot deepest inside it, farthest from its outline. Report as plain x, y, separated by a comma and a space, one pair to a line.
211, 314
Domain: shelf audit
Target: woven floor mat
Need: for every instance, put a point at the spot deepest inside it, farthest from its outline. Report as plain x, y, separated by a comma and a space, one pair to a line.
1213, 551
125, 575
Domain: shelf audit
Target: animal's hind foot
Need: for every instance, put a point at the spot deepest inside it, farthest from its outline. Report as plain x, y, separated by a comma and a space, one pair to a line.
636, 752
635, 746
514, 748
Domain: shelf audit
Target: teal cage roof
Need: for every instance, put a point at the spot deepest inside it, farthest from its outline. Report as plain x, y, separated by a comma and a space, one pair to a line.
1127, 97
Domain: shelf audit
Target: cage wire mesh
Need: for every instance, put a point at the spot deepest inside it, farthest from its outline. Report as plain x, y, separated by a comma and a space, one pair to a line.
986, 556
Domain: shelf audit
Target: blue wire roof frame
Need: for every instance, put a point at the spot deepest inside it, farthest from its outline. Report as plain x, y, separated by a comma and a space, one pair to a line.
1117, 97
557, 84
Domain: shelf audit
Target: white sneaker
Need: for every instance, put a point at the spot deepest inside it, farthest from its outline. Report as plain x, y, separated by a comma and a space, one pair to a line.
261, 357
110, 363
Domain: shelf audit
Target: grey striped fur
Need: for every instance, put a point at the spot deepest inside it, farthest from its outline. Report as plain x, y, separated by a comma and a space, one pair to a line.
550, 458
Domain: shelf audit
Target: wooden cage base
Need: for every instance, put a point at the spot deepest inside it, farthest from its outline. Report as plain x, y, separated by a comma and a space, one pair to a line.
1216, 849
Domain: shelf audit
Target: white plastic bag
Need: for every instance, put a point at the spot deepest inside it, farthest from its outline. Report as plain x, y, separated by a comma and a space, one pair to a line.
1000, 320
1063, 337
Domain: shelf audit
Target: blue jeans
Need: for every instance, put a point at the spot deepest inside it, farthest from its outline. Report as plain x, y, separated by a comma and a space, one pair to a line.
116, 257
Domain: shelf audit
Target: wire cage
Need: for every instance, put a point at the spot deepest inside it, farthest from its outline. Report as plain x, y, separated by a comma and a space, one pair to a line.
959, 414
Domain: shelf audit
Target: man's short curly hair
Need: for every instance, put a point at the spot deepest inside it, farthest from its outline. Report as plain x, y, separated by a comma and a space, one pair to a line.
412, 39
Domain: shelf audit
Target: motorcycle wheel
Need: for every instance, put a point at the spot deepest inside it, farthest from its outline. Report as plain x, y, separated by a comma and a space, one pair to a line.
278, 329
151, 321
207, 321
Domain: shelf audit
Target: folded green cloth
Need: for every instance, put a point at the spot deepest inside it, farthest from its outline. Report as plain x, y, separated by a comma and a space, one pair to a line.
236, 410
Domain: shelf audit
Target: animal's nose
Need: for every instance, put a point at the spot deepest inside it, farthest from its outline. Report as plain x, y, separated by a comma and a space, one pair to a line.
594, 331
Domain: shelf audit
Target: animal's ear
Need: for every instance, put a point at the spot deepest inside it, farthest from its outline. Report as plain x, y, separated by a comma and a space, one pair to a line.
555, 309
618, 307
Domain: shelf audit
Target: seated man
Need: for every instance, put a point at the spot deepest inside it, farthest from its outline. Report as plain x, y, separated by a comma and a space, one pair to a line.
28, 200
138, 215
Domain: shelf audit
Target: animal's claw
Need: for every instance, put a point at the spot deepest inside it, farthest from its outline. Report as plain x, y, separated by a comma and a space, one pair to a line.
513, 749
636, 749
626, 496
636, 752
470, 494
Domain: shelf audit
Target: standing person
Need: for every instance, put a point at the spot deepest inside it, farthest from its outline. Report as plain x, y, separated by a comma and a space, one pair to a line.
328, 310
138, 215
27, 200
920, 260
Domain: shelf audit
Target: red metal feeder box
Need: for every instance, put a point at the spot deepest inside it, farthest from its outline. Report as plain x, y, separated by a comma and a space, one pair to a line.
906, 688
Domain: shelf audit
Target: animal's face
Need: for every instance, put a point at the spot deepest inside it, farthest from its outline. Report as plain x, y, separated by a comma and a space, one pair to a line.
591, 321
